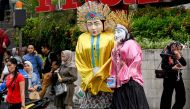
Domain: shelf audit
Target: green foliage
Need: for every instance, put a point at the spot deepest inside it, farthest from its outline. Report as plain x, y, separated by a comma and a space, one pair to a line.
186, 23
30, 5
52, 28
149, 44
152, 28
155, 26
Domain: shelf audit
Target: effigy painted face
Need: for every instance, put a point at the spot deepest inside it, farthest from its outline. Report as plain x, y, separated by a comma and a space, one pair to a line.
120, 34
94, 27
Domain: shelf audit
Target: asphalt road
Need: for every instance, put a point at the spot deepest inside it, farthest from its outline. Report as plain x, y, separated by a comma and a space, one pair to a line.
51, 106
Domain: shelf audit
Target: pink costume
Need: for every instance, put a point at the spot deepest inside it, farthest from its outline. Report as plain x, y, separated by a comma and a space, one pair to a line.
126, 63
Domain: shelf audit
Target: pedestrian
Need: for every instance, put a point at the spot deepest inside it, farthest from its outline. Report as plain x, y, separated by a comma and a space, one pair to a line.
34, 58
68, 75
15, 54
22, 51
16, 86
34, 83
5, 71
126, 67
93, 54
172, 63
4, 43
47, 70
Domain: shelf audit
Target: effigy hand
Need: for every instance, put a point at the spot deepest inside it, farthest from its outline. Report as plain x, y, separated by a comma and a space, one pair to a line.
95, 70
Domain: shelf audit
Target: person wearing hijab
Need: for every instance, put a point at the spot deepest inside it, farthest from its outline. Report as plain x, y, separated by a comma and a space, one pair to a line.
68, 75
34, 58
33, 81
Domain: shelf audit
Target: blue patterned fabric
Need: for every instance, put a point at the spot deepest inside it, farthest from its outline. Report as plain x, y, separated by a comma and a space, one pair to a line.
36, 62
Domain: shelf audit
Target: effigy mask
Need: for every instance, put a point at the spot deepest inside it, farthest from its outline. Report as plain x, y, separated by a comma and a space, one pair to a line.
123, 23
120, 33
92, 12
94, 27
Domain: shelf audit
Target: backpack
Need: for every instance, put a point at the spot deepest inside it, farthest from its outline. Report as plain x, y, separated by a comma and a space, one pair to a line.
49, 57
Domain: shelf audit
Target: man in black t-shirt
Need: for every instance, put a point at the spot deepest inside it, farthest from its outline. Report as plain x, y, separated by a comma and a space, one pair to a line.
47, 69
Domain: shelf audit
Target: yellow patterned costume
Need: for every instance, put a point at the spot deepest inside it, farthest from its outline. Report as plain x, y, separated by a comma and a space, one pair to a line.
91, 82
85, 61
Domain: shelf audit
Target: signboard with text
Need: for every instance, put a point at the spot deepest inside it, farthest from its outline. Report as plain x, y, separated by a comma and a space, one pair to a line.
47, 6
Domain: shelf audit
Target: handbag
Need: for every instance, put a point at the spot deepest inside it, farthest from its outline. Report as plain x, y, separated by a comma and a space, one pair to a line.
159, 73
34, 95
60, 87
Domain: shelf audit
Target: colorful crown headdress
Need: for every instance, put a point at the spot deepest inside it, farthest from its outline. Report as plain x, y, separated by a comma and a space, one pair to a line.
121, 17
90, 11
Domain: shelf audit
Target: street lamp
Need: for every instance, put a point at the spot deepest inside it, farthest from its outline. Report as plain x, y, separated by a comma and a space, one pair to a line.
19, 19
19, 5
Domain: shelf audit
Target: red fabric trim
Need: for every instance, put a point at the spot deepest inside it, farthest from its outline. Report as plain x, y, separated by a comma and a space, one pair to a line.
147, 1
140, 1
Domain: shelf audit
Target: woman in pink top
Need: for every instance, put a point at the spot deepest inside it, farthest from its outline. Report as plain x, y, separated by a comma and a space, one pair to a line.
126, 71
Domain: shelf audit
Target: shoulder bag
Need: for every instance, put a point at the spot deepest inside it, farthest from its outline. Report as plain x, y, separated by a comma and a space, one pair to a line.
159, 73
60, 87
